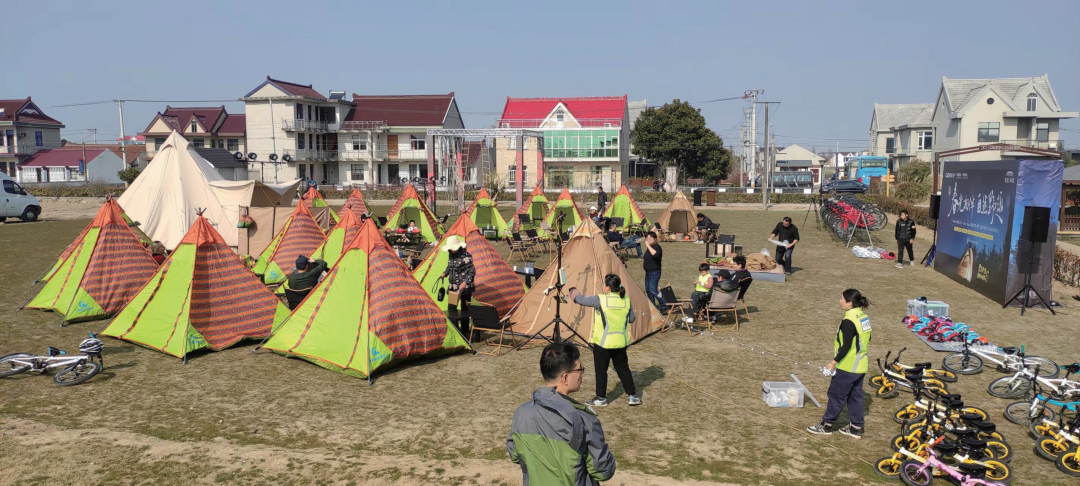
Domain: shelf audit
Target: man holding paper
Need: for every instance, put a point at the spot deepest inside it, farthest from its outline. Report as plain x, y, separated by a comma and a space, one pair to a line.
785, 235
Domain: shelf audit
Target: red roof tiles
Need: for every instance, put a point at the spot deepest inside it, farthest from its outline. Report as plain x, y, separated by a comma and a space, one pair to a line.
589, 111
180, 119
24, 110
133, 150
297, 89
59, 157
403, 110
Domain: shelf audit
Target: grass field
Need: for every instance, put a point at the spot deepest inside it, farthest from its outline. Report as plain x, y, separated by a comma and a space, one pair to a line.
236, 418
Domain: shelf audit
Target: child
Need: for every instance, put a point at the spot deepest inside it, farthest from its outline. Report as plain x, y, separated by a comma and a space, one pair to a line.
702, 287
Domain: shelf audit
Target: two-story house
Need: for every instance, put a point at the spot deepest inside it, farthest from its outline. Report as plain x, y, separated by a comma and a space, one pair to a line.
902, 132
1016, 111
204, 127
384, 138
298, 126
24, 129
586, 142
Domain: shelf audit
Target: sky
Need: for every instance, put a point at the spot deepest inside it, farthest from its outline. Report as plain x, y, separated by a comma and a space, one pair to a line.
827, 63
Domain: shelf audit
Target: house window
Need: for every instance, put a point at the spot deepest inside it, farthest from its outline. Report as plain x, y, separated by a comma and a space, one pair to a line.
524, 175
233, 145
299, 111
506, 125
309, 112
38, 139
158, 142
926, 140
300, 142
358, 144
559, 118
357, 171
989, 132
194, 127
513, 143
418, 142
1042, 132
198, 143
890, 145
1033, 102
220, 143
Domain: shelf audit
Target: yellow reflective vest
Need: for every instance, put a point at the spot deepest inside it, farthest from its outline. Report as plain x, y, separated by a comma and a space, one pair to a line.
856, 360
702, 283
611, 321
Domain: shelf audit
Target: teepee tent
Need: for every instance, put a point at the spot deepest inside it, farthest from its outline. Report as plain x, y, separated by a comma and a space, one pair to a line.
202, 296
340, 235
99, 272
536, 206
587, 259
367, 314
166, 195
299, 236
624, 206
564, 205
410, 207
355, 203
485, 214
496, 283
313, 199
680, 216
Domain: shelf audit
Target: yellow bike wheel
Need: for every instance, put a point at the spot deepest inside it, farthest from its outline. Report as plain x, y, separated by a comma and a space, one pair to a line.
888, 466
877, 380
908, 415
1069, 463
887, 390
1050, 448
997, 471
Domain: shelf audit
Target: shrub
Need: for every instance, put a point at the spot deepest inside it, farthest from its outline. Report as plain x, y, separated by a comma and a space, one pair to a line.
915, 171
93, 189
1066, 267
129, 174
912, 192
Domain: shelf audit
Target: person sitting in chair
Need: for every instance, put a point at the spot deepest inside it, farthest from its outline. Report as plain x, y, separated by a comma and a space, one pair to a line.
306, 276
412, 227
704, 224
630, 242
703, 285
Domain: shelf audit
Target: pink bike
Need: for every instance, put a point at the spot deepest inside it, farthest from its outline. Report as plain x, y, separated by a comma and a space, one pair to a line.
918, 471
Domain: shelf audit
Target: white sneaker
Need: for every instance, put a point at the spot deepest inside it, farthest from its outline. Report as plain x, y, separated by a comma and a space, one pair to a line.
700, 242
597, 402
898, 265
912, 263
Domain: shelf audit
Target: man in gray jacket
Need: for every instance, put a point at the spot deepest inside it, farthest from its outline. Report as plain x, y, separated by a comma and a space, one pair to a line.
556, 439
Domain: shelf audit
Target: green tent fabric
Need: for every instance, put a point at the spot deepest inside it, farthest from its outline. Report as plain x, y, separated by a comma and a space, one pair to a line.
564, 205
496, 283
536, 205
624, 206
313, 199
99, 272
410, 207
339, 236
485, 215
367, 314
202, 296
300, 235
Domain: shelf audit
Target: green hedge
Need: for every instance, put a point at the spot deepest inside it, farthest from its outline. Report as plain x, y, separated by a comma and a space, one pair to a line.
89, 190
1066, 267
893, 205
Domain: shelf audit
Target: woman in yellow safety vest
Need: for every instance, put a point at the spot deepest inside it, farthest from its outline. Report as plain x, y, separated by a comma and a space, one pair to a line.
612, 317
851, 347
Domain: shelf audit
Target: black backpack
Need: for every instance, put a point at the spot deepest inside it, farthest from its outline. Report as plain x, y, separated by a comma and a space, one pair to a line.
727, 285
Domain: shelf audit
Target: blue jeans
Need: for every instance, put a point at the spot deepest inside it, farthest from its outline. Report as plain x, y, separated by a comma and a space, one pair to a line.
631, 242
652, 283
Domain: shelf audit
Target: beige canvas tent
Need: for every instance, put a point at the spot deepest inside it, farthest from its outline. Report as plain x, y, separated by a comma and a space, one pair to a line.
587, 260
680, 216
178, 181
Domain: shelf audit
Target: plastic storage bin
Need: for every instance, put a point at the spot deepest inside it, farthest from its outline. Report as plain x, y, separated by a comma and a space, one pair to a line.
782, 393
932, 308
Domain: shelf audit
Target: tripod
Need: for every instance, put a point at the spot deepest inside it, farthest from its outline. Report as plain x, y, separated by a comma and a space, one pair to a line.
815, 206
557, 321
929, 258
1027, 290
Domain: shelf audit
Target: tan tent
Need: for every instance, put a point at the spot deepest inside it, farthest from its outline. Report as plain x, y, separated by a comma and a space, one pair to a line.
680, 216
587, 260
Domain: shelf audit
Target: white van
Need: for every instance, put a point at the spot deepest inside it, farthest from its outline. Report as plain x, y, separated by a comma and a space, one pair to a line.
15, 202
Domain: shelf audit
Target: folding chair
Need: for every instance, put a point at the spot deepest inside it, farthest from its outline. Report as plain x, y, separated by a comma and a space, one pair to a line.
382, 222
537, 241
444, 218
616, 222
524, 220
675, 306
516, 246
722, 303
526, 244
636, 229
486, 319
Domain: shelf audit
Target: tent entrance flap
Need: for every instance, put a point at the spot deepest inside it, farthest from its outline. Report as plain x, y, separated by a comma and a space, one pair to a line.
679, 222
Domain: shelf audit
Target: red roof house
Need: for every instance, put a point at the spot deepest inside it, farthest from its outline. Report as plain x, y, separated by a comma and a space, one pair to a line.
62, 165
407, 110
597, 111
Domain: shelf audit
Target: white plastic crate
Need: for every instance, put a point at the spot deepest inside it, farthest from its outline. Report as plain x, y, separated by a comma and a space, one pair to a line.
931, 308
782, 394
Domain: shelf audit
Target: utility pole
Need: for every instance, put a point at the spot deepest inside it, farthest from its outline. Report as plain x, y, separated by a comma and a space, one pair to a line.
752, 94
766, 172
123, 138
94, 131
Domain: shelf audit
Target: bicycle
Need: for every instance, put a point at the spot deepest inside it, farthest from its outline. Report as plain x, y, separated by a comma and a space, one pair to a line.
1027, 412
1058, 440
74, 369
917, 410
918, 471
1069, 462
970, 360
924, 368
965, 427
1019, 383
890, 382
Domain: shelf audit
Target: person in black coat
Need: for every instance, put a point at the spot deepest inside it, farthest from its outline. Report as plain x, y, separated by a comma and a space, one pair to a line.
905, 235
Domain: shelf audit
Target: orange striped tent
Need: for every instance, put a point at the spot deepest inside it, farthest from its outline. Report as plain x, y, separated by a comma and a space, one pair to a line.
312, 199
367, 314
300, 235
202, 296
355, 203
410, 207
496, 283
99, 272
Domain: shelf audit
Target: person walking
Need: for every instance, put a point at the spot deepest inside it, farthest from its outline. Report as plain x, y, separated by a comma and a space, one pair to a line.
851, 345
610, 336
601, 198
653, 257
788, 234
554, 438
461, 278
905, 236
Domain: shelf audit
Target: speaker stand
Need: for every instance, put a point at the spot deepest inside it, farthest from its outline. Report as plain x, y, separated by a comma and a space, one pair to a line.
928, 259
1027, 290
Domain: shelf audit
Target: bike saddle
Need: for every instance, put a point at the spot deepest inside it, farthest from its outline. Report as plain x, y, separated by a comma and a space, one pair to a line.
948, 397
1009, 350
954, 404
973, 470
924, 366
962, 434
946, 448
1073, 368
53, 351
975, 444
982, 426
912, 375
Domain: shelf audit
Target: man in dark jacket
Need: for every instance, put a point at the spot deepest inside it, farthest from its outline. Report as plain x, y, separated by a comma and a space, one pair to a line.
556, 439
304, 278
601, 199
787, 234
905, 235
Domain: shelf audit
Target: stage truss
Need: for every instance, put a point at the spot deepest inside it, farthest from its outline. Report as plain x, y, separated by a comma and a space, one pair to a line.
453, 153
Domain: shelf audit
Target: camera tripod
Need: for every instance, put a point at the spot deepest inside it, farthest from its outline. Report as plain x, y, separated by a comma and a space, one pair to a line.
557, 321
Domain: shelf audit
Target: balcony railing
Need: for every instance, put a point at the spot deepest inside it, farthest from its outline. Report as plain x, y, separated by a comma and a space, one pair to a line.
311, 154
363, 125
27, 148
297, 125
362, 154
1055, 145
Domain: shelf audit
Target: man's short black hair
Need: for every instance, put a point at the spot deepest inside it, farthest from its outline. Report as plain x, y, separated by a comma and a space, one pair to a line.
557, 358
903, 212
739, 260
652, 234
699, 215
413, 221
787, 219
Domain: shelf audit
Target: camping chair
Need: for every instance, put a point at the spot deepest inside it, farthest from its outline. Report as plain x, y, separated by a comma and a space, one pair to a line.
616, 222
444, 218
743, 285
382, 221
722, 303
486, 319
636, 229
537, 241
516, 246
414, 254
526, 243
524, 219
675, 306
294, 298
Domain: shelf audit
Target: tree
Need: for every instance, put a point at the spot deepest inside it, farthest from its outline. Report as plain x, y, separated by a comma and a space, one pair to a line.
129, 174
675, 134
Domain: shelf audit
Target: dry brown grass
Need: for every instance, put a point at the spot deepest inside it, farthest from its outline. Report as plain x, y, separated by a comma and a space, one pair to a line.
236, 418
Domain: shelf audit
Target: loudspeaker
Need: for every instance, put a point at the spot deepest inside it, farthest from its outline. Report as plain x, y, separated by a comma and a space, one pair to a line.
1036, 226
1025, 261
935, 205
